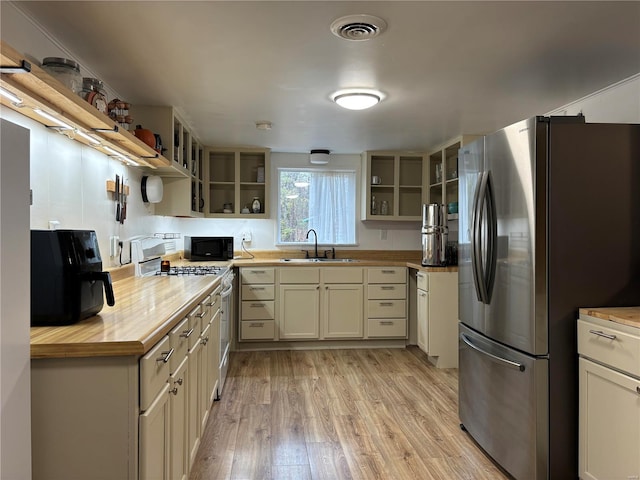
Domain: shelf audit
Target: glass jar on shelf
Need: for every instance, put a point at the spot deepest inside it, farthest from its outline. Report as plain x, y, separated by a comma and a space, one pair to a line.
384, 208
93, 92
65, 71
256, 206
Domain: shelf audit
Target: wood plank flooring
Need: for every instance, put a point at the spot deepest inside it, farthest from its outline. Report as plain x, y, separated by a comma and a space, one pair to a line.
366, 414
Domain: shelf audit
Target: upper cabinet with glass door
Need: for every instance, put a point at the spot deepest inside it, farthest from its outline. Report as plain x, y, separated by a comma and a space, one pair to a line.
393, 185
238, 182
443, 174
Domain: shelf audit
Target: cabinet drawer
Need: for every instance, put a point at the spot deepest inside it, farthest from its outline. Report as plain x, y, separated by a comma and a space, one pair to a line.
257, 275
257, 330
393, 291
258, 292
422, 280
258, 310
621, 352
299, 275
194, 321
341, 275
154, 372
179, 341
214, 302
387, 328
387, 308
387, 275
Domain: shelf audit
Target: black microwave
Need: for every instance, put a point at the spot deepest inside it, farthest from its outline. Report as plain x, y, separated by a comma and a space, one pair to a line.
208, 248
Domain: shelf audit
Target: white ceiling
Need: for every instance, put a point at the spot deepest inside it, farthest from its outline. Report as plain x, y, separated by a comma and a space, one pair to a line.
446, 67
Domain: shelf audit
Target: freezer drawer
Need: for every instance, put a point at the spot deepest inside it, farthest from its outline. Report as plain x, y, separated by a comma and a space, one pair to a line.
504, 404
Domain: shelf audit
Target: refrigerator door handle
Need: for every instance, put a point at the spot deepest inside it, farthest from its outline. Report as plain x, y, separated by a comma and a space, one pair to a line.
492, 239
509, 363
476, 237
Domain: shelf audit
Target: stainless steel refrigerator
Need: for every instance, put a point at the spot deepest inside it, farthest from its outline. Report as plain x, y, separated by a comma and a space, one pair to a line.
549, 214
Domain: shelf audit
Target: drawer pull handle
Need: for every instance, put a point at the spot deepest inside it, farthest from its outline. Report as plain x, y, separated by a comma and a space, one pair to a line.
600, 333
202, 315
386, 304
256, 325
179, 381
388, 271
165, 356
256, 288
257, 271
386, 323
257, 305
173, 391
211, 304
187, 333
388, 288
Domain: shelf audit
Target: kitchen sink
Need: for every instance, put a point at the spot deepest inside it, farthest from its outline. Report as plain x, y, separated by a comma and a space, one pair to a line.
307, 260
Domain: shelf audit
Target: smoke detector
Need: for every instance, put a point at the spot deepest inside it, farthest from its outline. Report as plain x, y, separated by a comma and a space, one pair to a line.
358, 27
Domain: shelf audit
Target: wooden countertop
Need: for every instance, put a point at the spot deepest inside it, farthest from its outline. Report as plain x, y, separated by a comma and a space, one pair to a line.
146, 309
624, 315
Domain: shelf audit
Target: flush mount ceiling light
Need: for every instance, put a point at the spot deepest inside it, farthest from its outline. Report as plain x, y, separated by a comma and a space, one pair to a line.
319, 156
357, 98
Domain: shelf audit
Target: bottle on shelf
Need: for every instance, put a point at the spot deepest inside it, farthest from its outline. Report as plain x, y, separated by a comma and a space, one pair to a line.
256, 205
384, 208
374, 205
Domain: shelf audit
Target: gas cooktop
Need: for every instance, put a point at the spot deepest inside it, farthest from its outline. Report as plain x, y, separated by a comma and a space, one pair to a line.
194, 270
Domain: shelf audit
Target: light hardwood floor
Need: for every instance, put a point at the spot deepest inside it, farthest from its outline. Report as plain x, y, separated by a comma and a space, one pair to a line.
338, 414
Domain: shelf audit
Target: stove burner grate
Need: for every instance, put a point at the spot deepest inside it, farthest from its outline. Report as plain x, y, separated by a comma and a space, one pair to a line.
194, 270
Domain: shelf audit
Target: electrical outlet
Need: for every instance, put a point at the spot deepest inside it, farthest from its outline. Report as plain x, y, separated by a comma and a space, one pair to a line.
246, 236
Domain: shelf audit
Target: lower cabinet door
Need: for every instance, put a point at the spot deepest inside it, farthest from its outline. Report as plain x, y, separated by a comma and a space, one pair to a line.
299, 312
343, 311
609, 445
423, 320
154, 438
193, 424
179, 461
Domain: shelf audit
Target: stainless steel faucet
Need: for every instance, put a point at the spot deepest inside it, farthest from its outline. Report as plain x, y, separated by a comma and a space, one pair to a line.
316, 241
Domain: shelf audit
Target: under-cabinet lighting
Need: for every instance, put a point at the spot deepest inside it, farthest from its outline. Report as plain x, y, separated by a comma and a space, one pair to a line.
113, 152
91, 139
60, 123
292, 196
10, 96
133, 162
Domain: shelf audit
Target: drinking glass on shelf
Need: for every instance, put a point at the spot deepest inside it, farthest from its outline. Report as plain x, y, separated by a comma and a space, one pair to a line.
438, 172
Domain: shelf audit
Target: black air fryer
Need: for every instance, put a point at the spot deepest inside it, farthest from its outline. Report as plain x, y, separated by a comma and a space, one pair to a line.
67, 280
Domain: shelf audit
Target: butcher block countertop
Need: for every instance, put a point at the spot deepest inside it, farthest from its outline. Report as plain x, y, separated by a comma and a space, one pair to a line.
145, 311
148, 308
624, 315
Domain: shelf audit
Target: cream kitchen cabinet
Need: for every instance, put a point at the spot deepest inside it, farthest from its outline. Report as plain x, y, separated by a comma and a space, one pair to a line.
257, 304
178, 414
298, 304
183, 182
437, 317
342, 302
235, 177
401, 178
386, 306
609, 400
154, 416
422, 310
443, 172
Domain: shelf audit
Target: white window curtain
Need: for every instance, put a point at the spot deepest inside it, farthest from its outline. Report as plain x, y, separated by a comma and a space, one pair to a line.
332, 207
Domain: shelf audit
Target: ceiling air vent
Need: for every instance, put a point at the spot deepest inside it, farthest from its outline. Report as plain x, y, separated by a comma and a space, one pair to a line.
358, 27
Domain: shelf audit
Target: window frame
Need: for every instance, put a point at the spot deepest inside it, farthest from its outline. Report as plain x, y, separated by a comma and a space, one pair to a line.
278, 241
